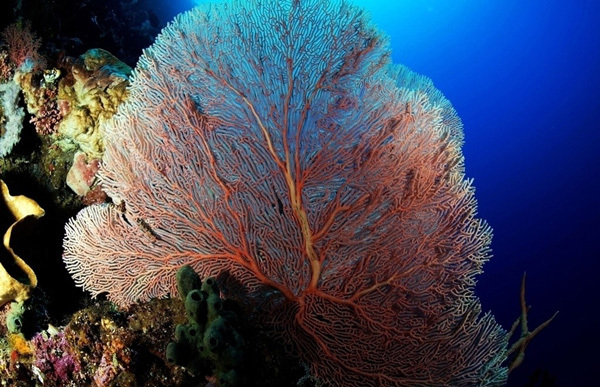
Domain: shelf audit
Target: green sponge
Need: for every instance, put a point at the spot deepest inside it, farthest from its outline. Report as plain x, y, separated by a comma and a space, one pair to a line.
209, 344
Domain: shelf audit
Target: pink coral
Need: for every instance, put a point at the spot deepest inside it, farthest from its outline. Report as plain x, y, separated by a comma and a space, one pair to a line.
22, 44
55, 358
6, 68
82, 175
274, 140
48, 116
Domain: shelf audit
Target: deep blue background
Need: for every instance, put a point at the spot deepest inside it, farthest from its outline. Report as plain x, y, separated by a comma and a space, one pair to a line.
524, 77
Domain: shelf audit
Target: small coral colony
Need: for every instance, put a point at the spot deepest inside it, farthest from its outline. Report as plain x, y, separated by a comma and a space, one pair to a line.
264, 199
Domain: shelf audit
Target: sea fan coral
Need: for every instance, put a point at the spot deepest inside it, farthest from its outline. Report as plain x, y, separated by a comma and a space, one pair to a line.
23, 46
275, 140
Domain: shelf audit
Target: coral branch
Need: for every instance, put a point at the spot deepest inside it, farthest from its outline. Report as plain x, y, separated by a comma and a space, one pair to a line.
516, 352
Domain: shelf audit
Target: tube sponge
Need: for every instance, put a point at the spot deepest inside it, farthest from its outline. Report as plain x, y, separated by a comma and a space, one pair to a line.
209, 343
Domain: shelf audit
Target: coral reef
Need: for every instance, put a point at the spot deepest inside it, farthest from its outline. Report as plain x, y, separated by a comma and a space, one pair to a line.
275, 141
54, 358
99, 346
317, 184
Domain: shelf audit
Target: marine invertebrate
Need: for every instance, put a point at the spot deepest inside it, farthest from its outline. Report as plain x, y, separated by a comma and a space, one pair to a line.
209, 342
23, 46
17, 279
6, 67
11, 117
42, 103
88, 96
54, 357
276, 141
82, 173
14, 317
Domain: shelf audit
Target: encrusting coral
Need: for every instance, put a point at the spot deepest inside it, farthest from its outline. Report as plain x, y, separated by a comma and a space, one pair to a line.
89, 96
82, 175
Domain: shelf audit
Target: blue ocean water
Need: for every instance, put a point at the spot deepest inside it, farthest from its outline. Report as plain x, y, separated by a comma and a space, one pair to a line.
524, 77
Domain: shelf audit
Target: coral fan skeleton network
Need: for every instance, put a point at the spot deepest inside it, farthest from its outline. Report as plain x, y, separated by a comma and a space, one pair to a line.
274, 140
